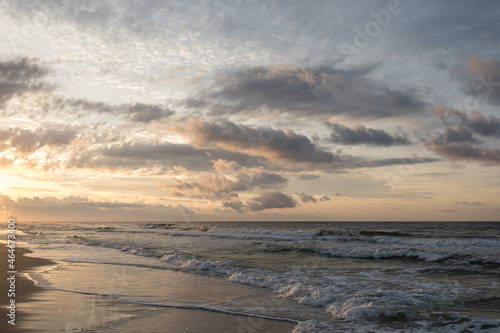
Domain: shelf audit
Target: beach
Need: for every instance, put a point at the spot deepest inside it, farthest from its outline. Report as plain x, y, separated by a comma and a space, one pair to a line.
25, 288
40, 309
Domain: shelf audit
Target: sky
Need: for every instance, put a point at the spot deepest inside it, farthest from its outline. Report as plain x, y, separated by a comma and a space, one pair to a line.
242, 110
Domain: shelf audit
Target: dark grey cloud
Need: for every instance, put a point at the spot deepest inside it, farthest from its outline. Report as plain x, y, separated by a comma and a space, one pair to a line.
235, 205
214, 186
79, 207
467, 203
20, 76
458, 134
487, 126
145, 113
308, 176
270, 143
307, 198
270, 200
305, 91
359, 134
483, 79
155, 157
135, 112
459, 143
455, 134
479, 78
433, 174
327, 198
457, 151
28, 141
262, 179
363, 163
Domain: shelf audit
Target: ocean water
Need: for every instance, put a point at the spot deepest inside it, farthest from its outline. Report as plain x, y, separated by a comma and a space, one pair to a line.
321, 277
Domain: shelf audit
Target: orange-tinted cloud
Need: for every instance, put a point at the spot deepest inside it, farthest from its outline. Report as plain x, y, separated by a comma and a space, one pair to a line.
261, 141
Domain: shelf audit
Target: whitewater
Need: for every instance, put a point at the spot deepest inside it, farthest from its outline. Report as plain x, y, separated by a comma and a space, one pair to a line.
320, 276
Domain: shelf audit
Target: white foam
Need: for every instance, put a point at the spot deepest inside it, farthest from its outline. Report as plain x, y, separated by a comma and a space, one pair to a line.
356, 295
383, 253
220, 310
39, 280
188, 263
315, 326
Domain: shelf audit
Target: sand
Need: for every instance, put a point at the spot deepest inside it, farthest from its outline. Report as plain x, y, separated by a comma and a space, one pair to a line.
25, 288
44, 310
188, 320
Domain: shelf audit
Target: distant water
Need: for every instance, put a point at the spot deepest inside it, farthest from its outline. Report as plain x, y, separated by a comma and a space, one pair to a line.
323, 277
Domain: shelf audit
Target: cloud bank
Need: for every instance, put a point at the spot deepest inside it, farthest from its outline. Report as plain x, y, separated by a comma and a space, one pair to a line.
303, 91
359, 134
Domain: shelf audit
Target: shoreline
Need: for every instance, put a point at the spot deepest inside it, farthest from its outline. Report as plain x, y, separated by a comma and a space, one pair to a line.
25, 288
36, 306
40, 309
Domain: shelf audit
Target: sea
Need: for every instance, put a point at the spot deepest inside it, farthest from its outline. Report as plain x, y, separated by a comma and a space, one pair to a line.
318, 276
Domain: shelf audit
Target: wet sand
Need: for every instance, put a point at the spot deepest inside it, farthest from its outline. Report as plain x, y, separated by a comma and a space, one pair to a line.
25, 288
45, 310
189, 320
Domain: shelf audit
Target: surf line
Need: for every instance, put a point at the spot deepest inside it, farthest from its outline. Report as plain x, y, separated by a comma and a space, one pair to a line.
190, 307
234, 313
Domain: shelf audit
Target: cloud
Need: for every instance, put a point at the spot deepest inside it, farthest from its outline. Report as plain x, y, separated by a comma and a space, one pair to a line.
413, 159
359, 134
235, 205
457, 134
156, 158
145, 113
479, 78
487, 126
459, 143
264, 142
303, 91
5, 162
454, 134
136, 112
185, 211
308, 176
27, 141
21, 76
82, 208
307, 198
222, 187
484, 80
465, 151
26, 75
466, 203
433, 174
270, 200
